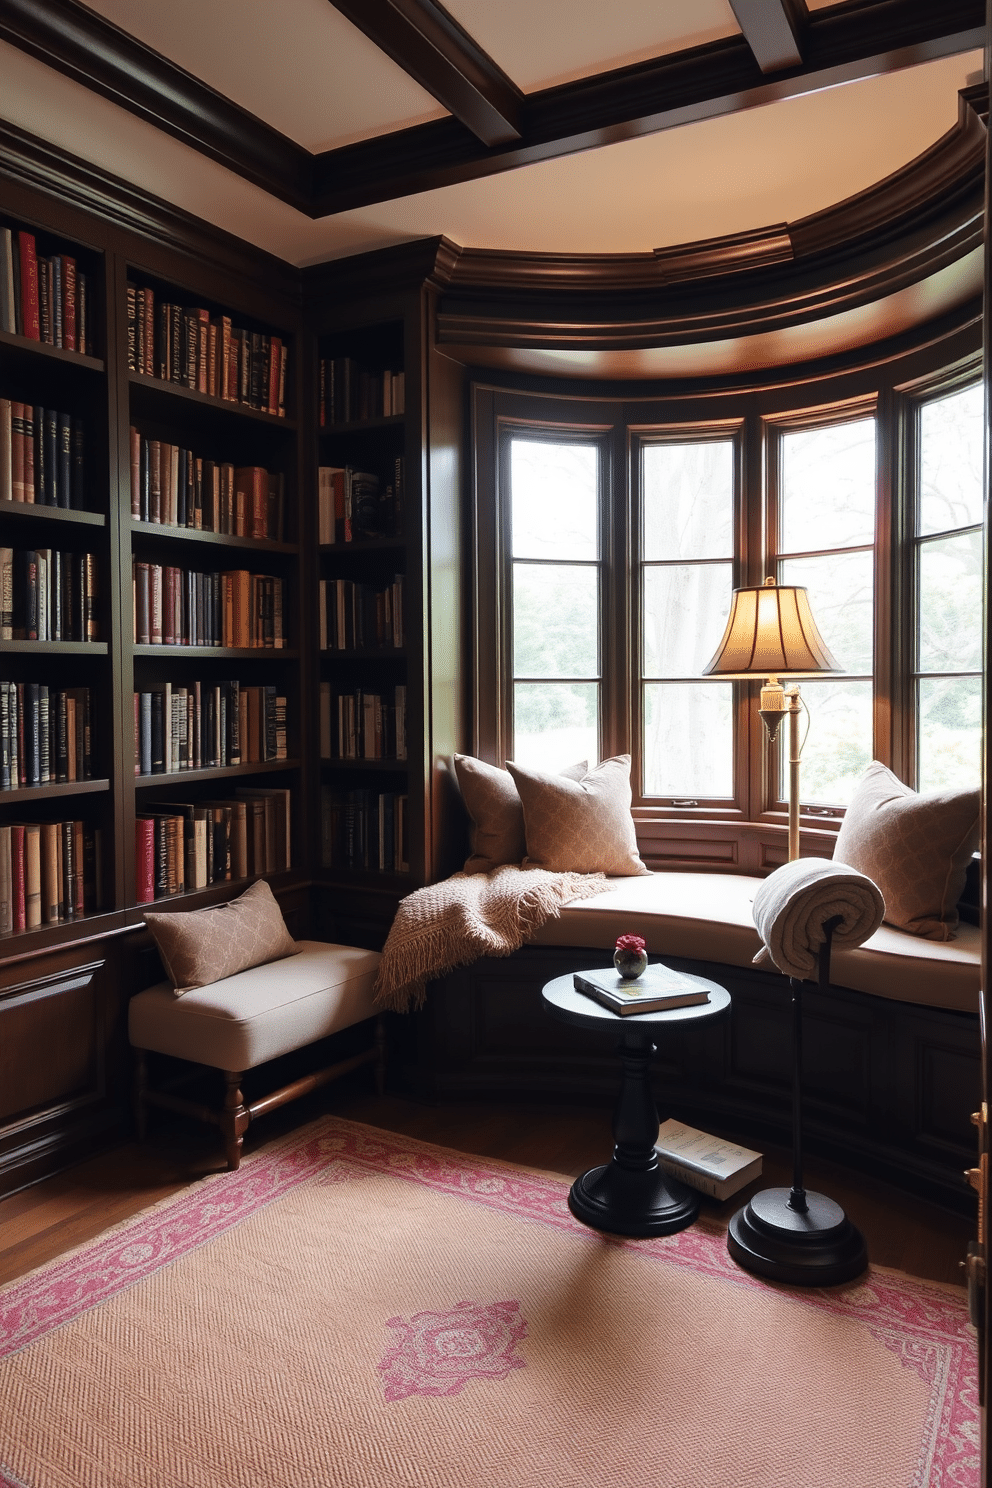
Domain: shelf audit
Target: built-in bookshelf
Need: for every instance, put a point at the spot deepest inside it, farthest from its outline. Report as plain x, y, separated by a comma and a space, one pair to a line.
212, 531
58, 630
361, 603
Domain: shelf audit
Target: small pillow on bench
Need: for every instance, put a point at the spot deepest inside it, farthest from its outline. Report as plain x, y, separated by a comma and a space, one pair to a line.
201, 946
493, 802
915, 847
580, 826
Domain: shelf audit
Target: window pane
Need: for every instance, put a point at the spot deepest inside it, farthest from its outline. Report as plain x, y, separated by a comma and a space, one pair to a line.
951, 469
685, 611
688, 500
555, 620
841, 593
838, 746
555, 723
554, 493
951, 604
688, 739
828, 487
950, 733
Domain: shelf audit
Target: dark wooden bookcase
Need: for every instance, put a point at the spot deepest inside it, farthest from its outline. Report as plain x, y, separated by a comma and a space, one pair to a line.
64, 986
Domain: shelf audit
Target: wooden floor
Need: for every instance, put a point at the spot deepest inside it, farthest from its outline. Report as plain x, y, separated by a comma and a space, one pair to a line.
46, 1220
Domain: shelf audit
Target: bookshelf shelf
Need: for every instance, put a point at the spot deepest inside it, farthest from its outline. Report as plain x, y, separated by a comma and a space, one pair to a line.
162, 531
217, 653
28, 347
54, 648
31, 511
213, 772
154, 390
25, 794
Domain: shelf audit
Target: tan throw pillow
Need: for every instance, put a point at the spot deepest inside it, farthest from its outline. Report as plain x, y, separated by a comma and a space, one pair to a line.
202, 946
492, 801
580, 826
916, 848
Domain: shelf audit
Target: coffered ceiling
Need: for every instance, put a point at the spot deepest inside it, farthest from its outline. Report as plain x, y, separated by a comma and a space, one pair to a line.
316, 129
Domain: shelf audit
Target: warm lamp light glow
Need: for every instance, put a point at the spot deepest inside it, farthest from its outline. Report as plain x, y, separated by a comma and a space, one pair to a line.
771, 633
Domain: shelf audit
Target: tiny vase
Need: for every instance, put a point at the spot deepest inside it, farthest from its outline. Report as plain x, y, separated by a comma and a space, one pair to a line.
630, 964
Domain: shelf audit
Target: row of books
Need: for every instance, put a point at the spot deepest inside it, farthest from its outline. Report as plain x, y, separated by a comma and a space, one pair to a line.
205, 725
182, 344
45, 734
185, 845
350, 393
361, 617
184, 607
49, 871
48, 595
42, 456
363, 725
177, 488
364, 829
45, 299
355, 504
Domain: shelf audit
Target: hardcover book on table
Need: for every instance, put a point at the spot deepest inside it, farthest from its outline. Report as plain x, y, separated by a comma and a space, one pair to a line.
657, 989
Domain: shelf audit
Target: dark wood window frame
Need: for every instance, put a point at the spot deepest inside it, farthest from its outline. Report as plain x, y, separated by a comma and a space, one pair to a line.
746, 834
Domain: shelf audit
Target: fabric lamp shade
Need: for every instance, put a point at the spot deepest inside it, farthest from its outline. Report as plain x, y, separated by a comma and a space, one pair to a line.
771, 633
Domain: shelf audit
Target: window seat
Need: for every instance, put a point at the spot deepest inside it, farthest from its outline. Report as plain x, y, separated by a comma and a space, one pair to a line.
707, 916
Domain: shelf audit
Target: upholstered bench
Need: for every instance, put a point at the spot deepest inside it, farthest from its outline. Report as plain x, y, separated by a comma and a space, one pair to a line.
245, 1020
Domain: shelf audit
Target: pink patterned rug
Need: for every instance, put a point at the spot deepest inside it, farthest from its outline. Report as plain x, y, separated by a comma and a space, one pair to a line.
356, 1309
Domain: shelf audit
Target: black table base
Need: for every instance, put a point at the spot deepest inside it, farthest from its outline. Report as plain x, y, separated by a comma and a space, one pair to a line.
631, 1194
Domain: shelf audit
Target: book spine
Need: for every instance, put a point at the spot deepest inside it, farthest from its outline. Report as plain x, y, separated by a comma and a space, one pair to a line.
692, 1177
69, 332
30, 307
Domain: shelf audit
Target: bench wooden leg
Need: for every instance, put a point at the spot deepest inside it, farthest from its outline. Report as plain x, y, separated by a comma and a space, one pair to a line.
140, 1090
234, 1119
380, 1055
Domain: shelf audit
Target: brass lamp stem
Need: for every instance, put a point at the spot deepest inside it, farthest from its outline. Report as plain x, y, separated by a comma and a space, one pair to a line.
794, 705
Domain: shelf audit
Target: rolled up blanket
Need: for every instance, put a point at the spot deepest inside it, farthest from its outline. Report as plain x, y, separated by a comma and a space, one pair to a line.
794, 903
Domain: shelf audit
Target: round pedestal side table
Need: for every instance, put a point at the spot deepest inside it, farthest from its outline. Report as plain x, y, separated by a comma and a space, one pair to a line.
631, 1194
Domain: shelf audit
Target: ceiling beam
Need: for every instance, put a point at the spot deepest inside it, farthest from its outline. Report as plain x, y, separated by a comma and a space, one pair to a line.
773, 31
437, 53
83, 46
840, 44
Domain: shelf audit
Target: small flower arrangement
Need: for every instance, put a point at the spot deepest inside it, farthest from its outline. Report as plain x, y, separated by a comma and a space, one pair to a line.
630, 957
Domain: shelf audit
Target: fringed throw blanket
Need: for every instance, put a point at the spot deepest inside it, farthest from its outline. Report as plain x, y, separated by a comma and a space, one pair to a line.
467, 916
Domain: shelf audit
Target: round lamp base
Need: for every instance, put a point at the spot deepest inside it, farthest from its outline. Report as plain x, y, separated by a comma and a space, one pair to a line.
820, 1247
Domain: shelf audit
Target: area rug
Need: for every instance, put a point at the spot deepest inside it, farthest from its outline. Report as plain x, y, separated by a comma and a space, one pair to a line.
356, 1309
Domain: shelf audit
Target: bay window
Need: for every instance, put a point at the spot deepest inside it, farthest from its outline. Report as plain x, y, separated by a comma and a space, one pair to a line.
610, 536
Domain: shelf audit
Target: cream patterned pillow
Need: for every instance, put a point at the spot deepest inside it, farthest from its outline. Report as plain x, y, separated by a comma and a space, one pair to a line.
202, 946
492, 801
580, 826
916, 848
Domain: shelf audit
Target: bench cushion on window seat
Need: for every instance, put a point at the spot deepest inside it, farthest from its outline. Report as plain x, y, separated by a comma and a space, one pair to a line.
707, 917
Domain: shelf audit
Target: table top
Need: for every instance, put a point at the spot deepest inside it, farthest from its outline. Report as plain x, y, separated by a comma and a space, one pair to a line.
562, 1001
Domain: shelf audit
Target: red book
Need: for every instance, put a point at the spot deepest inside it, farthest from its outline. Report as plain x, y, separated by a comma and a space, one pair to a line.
17, 902
68, 302
144, 859
275, 365
30, 309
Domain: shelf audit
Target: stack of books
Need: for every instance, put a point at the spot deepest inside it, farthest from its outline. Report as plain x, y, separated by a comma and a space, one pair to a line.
364, 829
206, 725
45, 734
49, 871
175, 487
48, 595
185, 845
361, 617
42, 456
181, 607
350, 393
354, 504
363, 725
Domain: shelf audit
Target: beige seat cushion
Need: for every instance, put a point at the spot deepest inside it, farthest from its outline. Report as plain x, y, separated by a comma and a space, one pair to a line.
707, 917
259, 1014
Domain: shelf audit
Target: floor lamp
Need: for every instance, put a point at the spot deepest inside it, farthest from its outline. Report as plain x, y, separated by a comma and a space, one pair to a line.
787, 1234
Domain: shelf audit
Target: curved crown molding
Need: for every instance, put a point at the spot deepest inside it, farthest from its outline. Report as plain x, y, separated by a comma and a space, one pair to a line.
894, 234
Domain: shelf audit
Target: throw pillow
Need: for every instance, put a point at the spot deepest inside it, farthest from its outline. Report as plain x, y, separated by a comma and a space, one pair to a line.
205, 945
580, 826
916, 848
492, 801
